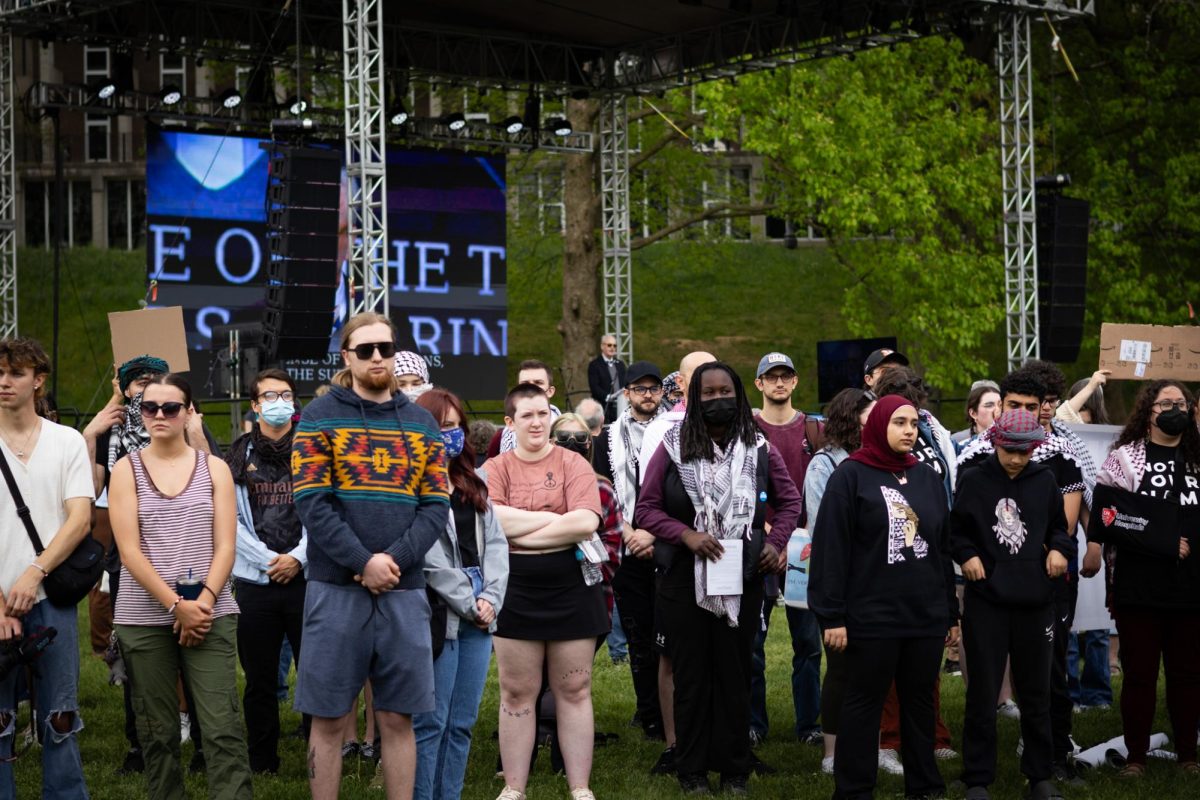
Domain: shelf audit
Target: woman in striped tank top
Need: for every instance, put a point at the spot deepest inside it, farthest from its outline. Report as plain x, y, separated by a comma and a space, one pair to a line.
173, 516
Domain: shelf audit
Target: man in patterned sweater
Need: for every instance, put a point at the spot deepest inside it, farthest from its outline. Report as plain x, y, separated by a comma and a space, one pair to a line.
371, 488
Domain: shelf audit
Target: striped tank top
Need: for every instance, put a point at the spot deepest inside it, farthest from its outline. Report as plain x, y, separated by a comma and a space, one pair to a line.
176, 535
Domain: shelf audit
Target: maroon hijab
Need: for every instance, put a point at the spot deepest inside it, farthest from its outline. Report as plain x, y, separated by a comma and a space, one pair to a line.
875, 450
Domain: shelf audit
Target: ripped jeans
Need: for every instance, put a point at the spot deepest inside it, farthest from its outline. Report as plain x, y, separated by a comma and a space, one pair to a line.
57, 684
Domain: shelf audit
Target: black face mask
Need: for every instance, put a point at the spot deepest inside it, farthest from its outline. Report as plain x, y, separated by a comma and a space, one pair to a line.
719, 411
1173, 422
584, 450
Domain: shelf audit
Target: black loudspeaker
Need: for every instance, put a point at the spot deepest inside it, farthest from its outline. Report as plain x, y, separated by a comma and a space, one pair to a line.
245, 360
303, 209
1062, 231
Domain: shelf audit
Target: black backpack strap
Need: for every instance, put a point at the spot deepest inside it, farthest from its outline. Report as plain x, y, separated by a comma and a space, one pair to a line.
22, 509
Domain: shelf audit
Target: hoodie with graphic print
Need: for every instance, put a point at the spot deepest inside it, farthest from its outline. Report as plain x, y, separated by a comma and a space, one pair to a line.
881, 563
1010, 524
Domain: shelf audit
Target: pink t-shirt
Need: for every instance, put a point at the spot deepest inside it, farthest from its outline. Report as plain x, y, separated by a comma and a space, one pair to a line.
560, 481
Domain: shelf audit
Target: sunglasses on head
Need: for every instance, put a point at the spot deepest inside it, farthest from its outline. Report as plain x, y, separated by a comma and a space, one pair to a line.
578, 437
169, 410
366, 349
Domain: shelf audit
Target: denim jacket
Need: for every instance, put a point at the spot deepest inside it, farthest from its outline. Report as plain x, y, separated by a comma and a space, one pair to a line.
252, 556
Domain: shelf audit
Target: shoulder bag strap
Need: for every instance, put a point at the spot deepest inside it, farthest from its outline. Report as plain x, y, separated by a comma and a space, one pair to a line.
22, 509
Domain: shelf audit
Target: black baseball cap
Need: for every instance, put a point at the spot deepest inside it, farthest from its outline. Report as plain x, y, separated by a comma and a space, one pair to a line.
884, 356
642, 369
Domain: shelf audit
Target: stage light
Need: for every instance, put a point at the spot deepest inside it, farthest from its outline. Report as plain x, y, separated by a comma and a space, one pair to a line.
455, 122
295, 105
560, 126
231, 98
104, 89
170, 94
513, 124
398, 114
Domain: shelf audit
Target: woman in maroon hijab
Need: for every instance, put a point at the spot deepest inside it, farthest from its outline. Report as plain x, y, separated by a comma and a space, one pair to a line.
882, 587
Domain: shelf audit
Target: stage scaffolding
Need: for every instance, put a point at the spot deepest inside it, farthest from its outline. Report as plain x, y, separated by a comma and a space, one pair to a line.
799, 30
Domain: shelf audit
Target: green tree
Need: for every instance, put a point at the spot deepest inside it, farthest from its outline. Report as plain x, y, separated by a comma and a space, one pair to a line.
894, 156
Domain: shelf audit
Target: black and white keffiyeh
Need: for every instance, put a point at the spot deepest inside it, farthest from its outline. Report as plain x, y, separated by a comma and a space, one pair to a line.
1057, 443
722, 492
130, 436
624, 448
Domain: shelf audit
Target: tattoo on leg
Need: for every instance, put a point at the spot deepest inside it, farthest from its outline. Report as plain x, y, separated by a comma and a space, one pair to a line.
312, 762
524, 712
581, 671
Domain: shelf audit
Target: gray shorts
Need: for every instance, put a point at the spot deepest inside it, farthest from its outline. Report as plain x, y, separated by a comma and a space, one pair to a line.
351, 635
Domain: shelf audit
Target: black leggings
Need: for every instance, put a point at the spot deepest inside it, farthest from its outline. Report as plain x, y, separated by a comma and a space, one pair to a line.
833, 691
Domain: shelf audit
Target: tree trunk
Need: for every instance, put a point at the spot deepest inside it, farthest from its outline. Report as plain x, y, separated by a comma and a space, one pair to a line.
583, 257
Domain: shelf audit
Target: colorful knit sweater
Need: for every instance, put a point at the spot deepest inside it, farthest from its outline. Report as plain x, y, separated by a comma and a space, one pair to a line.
368, 478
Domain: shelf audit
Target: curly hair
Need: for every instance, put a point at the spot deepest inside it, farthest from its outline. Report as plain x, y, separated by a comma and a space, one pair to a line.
1049, 375
694, 442
905, 382
842, 426
1023, 380
1138, 426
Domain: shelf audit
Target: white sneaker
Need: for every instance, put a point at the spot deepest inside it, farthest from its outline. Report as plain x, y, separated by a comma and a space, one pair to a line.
510, 793
889, 762
945, 753
185, 727
1075, 748
827, 765
1009, 709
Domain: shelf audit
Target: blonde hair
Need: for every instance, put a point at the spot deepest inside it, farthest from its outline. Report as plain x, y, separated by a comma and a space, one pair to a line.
569, 417
361, 321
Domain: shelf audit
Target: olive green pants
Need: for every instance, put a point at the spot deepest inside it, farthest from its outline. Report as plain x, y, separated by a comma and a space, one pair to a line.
154, 659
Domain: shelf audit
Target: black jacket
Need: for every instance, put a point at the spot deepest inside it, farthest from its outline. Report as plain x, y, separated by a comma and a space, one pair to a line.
864, 575
599, 381
1010, 524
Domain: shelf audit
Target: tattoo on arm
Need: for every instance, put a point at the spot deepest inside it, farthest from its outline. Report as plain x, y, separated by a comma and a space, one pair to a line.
524, 712
312, 763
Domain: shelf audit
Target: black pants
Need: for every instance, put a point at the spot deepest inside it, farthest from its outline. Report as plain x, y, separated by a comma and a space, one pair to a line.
712, 666
992, 633
269, 612
633, 587
871, 665
1065, 593
833, 691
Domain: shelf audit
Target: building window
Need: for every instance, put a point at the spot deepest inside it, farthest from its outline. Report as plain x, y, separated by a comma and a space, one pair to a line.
95, 64
40, 216
97, 127
81, 212
171, 69
35, 214
126, 214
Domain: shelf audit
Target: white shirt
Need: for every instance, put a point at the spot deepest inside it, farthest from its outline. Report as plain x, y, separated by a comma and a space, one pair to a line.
653, 437
58, 470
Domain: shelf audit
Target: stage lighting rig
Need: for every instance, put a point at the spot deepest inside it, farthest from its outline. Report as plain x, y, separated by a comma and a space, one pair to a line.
559, 126
398, 114
231, 98
513, 125
455, 122
170, 95
295, 105
103, 89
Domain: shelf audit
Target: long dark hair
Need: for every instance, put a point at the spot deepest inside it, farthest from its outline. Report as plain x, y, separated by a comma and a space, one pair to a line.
694, 442
1138, 427
1094, 403
462, 468
842, 426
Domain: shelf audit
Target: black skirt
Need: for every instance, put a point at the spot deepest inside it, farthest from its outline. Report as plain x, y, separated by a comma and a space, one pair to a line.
548, 601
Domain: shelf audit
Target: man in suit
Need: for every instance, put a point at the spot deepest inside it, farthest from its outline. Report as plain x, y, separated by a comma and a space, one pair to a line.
606, 377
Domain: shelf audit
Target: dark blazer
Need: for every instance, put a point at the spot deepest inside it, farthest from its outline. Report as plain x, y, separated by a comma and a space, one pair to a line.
599, 383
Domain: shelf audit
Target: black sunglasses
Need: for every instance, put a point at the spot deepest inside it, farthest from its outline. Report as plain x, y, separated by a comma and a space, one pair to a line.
578, 437
364, 350
169, 410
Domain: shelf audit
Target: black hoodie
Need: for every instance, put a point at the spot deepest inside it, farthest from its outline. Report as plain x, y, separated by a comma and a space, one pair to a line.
1010, 524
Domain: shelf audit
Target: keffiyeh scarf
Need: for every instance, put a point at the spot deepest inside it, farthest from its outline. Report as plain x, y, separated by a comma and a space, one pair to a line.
130, 436
624, 447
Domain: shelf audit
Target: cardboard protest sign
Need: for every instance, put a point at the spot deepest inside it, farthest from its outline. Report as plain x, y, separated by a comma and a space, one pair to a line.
150, 331
1150, 352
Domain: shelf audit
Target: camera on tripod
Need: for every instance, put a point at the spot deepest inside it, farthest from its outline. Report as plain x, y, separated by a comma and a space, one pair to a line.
24, 650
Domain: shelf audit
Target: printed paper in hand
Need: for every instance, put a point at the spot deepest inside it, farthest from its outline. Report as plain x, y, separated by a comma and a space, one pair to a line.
725, 576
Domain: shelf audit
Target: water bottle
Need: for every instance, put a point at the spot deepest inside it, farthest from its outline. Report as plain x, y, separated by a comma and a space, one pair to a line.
795, 587
592, 573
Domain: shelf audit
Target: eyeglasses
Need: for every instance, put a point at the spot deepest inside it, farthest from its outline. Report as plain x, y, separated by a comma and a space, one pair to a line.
366, 349
169, 410
1167, 405
566, 437
271, 397
642, 391
1051, 401
777, 378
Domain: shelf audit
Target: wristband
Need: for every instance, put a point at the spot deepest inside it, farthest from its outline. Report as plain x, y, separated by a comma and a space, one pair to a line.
41, 569
175, 605
210, 591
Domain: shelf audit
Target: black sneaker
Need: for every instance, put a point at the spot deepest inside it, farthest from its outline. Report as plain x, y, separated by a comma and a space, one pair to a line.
350, 750
666, 764
197, 766
368, 751
760, 767
1044, 790
812, 737
757, 738
735, 784
951, 667
694, 784
133, 763
1065, 774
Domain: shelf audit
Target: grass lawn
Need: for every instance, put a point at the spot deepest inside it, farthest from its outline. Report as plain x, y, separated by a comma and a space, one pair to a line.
620, 769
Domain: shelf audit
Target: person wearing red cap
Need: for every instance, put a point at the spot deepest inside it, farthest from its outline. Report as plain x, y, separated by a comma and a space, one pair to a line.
1009, 532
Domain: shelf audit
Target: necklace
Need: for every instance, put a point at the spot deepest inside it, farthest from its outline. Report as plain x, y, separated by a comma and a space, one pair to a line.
21, 451
901, 476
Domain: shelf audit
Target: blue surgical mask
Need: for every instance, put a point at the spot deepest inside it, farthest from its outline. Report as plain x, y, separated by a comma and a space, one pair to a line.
454, 439
278, 412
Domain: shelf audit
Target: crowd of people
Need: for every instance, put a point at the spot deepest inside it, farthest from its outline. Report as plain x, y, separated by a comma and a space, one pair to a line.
383, 541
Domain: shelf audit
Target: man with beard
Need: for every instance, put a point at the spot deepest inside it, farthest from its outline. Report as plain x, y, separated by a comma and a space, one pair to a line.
371, 488
271, 556
616, 457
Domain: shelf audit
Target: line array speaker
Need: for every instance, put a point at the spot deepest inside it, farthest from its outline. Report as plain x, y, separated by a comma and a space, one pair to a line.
1062, 230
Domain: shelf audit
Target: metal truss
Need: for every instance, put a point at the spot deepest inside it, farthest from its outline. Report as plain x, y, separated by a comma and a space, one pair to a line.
1015, 67
366, 153
198, 110
476, 135
614, 193
8, 204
